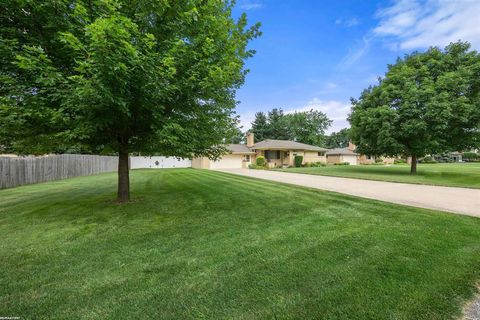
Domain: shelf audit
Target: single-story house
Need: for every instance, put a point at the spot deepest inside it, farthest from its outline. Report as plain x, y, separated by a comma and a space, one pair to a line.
350, 155
278, 153
454, 156
339, 155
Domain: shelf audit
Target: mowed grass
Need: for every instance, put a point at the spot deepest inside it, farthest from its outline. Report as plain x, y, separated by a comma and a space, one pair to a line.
197, 244
443, 174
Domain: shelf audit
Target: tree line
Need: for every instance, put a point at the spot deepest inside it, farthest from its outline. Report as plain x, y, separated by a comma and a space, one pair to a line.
302, 126
305, 126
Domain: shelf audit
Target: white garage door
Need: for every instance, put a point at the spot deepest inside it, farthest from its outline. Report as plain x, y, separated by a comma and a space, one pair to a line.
350, 159
229, 161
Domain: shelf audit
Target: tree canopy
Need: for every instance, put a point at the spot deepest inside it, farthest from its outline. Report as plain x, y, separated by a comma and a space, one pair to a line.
338, 139
120, 76
427, 103
306, 126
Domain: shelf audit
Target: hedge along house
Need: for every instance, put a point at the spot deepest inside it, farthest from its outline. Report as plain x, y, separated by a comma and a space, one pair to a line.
278, 153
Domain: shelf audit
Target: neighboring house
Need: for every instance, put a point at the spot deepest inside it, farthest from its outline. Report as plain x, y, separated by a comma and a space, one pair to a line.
454, 156
339, 155
366, 159
278, 153
349, 154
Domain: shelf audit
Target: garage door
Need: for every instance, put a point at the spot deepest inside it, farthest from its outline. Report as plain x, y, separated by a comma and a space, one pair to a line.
229, 161
350, 159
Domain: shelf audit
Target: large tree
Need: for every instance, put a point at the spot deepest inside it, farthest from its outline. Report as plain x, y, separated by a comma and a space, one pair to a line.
427, 103
235, 136
120, 76
260, 127
308, 126
277, 125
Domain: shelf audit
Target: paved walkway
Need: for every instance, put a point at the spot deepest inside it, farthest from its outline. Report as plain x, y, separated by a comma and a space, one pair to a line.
457, 200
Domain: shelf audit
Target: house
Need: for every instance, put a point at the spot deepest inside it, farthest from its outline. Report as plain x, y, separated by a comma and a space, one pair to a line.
349, 154
454, 156
278, 153
340, 155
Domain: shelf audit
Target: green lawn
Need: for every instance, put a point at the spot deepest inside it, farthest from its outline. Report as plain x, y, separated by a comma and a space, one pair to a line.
447, 174
197, 244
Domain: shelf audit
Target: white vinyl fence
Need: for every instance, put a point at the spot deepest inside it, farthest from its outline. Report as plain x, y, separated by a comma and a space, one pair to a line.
27, 170
159, 162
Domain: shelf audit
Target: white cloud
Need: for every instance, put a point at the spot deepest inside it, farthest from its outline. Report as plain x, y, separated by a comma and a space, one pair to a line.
335, 110
412, 24
250, 5
354, 55
348, 22
246, 120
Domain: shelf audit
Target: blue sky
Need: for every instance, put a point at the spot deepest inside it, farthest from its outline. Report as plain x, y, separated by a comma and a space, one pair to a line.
318, 54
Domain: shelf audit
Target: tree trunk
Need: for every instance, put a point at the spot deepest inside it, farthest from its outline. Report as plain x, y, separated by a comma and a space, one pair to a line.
123, 194
413, 165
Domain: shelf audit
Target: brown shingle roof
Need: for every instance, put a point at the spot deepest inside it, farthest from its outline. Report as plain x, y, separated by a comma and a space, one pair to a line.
342, 151
239, 148
285, 144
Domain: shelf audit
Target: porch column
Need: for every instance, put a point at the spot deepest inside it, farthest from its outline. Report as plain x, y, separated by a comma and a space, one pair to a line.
290, 157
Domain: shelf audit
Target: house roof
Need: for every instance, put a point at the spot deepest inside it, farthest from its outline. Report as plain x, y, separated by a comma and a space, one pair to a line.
340, 151
239, 148
285, 145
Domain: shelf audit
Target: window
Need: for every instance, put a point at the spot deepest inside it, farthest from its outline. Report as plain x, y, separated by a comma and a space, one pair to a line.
246, 158
369, 157
321, 154
272, 154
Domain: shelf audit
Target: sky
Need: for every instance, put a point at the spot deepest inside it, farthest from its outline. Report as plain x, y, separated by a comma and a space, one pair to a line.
318, 54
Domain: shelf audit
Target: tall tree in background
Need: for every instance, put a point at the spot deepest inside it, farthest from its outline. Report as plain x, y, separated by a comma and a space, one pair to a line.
338, 139
277, 125
427, 103
260, 127
308, 127
127, 76
235, 136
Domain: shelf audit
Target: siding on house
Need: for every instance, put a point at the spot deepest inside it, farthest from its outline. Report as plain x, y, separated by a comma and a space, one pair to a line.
312, 156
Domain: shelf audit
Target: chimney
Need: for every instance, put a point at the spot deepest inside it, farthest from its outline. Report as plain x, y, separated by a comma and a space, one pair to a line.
351, 146
250, 140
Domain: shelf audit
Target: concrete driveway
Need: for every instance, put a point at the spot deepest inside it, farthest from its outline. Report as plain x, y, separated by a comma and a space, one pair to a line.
457, 200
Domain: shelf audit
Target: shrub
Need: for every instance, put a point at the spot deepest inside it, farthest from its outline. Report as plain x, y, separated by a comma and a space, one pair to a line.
378, 160
342, 163
318, 164
254, 166
261, 162
470, 156
427, 159
399, 161
308, 164
298, 161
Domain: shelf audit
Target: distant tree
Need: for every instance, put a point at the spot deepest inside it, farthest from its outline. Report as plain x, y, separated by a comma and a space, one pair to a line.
427, 103
277, 125
235, 136
338, 139
307, 127
260, 127
126, 76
